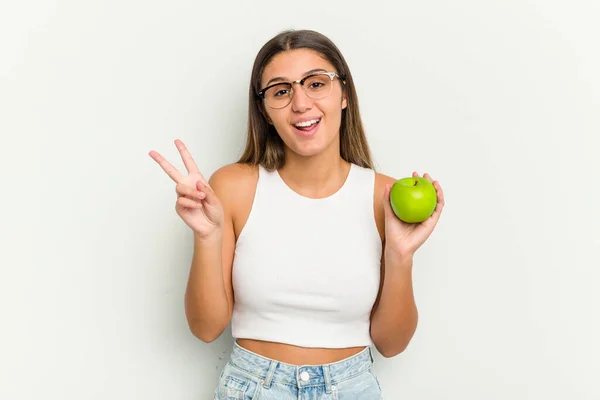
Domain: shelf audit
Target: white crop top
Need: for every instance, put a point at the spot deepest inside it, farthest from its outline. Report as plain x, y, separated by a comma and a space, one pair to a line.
306, 271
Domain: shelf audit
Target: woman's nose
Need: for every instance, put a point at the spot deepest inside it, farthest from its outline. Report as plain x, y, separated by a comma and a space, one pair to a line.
300, 101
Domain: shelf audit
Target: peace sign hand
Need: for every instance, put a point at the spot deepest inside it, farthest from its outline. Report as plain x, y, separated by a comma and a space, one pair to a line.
197, 204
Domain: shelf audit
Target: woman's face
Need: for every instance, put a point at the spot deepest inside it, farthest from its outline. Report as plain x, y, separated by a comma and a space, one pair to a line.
293, 65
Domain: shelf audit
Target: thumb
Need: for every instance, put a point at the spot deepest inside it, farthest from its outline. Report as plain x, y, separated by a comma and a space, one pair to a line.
211, 197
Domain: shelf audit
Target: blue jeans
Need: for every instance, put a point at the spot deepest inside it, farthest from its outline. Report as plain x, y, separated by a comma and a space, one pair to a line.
248, 376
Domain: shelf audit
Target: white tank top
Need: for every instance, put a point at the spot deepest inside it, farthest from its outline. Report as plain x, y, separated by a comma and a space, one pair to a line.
306, 271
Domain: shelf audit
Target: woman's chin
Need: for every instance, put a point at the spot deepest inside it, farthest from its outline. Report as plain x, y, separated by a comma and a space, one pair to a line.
309, 148
306, 150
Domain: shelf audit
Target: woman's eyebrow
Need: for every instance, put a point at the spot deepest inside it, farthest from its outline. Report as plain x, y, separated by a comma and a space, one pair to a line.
283, 79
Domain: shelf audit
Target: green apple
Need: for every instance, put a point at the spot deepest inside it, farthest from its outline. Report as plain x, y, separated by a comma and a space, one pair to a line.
413, 199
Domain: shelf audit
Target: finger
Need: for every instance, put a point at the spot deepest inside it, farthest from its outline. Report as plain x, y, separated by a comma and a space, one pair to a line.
188, 161
185, 190
166, 166
211, 197
428, 177
186, 202
434, 218
435, 215
440, 193
415, 174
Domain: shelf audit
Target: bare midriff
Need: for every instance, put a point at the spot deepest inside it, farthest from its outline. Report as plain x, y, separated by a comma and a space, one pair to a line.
295, 355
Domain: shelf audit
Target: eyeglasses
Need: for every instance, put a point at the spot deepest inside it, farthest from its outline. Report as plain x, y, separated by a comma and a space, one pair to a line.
316, 86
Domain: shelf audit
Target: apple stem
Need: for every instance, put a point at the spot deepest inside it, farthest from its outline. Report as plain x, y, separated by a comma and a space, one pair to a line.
415, 182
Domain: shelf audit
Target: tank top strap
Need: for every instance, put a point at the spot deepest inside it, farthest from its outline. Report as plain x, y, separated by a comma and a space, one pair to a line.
360, 184
267, 182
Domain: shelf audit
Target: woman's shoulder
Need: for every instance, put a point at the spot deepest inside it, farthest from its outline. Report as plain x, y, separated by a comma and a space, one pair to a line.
381, 180
235, 185
234, 179
233, 173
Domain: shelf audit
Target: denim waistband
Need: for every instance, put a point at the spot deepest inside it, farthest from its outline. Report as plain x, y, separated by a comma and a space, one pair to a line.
268, 370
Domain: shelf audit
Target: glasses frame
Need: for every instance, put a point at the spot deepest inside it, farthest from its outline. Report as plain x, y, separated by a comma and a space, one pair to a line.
332, 76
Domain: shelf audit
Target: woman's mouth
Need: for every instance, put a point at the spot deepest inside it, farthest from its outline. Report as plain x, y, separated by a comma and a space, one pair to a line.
307, 128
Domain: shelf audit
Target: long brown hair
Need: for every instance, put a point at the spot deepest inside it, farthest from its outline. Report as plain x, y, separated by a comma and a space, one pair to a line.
263, 144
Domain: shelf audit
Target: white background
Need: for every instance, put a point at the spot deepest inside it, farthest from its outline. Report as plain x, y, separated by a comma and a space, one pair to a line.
498, 100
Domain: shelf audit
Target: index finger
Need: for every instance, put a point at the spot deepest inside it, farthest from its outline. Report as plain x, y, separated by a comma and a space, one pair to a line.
188, 161
166, 166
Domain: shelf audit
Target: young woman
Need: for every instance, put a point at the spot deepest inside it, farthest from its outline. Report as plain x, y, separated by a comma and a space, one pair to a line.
296, 244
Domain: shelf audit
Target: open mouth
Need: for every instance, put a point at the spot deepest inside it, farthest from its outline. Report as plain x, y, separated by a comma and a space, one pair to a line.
307, 128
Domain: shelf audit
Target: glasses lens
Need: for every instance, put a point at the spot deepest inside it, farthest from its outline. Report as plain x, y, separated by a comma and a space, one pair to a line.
315, 86
318, 86
278, 96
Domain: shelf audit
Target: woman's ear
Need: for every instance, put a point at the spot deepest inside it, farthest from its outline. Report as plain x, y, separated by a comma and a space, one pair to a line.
344, 95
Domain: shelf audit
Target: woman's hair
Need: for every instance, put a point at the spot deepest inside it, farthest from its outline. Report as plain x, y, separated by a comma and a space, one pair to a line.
263, 144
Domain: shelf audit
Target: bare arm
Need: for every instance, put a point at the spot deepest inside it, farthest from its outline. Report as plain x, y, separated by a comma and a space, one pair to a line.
205, 208
394, 320
394, 317
209, 294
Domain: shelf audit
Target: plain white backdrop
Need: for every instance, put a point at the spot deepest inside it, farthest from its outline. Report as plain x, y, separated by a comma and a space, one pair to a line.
498, 100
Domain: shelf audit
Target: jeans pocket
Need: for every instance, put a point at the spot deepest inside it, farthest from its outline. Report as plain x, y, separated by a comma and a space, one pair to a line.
363, 386
234, 388
234, 384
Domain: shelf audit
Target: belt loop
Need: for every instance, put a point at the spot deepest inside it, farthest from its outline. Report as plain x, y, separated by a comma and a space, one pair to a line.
270, 373
327, 378
371, 354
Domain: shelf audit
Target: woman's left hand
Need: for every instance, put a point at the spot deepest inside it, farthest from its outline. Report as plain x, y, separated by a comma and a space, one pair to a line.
401, 238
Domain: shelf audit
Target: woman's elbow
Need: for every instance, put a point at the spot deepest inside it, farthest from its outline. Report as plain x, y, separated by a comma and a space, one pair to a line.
206, 333
206, 337
390, 352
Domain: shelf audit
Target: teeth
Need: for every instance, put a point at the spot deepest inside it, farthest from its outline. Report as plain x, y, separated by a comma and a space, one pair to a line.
307, 123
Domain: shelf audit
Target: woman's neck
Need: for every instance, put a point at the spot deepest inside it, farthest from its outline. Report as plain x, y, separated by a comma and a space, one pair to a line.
316, 177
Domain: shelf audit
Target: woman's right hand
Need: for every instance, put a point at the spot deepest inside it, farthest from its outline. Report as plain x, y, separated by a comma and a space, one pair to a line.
197, 204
